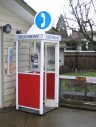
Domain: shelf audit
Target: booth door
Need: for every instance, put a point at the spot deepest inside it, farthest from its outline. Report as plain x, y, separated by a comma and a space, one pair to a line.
51, 83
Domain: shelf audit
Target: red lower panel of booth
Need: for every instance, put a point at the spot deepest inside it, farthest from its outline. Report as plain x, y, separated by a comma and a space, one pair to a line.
29, 90
50, 85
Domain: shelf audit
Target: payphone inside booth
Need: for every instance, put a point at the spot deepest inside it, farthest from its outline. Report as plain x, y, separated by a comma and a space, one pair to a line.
37, 85
35, 62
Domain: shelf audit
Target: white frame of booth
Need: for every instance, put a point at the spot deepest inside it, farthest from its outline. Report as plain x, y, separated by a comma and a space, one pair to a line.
42, 38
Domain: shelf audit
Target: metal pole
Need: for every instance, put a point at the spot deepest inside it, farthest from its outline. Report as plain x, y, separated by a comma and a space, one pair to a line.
57, 73
46, 65
1, 69
41, 77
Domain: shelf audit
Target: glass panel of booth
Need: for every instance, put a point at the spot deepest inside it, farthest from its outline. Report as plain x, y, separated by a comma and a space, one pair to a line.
29, 57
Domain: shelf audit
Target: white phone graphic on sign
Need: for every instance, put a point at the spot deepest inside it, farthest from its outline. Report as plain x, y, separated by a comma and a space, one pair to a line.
43, 16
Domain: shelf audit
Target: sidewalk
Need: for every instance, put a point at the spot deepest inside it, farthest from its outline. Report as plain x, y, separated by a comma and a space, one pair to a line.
61, 117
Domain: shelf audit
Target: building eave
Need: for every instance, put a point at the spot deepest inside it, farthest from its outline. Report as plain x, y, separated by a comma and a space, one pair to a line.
26, 7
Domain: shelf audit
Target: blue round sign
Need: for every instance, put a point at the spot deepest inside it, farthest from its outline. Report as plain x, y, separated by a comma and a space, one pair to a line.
43, 20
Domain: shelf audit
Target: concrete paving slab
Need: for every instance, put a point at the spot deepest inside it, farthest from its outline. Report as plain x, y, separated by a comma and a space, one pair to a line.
61, 117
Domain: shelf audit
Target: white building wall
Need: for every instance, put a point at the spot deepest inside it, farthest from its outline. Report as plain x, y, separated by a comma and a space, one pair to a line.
7, 17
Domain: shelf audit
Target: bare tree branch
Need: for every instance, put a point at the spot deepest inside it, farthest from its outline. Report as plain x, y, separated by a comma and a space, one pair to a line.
81, 13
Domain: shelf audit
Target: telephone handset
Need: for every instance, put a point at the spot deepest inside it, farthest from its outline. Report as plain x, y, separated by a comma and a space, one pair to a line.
34, 58
43, 23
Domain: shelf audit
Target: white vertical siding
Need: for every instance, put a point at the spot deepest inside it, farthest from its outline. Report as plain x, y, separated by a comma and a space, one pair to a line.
7, 17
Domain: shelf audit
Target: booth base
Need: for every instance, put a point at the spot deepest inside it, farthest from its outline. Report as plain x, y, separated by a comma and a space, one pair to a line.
45, 110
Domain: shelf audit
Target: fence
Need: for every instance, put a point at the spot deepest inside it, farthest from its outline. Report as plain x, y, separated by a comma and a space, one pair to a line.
78, 91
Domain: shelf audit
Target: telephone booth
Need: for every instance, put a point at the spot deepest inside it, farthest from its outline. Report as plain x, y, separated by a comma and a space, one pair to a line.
37, 82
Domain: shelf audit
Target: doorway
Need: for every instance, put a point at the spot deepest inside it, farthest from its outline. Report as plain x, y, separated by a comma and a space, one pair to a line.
51, 91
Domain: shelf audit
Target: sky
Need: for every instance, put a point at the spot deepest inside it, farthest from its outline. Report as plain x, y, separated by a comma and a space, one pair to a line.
57, 7
54, 7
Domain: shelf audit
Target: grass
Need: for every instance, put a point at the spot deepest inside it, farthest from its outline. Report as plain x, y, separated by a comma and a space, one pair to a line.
91, 74
68, 85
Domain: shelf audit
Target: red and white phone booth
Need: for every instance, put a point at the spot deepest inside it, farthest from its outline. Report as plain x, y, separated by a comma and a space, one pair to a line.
37, 89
